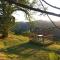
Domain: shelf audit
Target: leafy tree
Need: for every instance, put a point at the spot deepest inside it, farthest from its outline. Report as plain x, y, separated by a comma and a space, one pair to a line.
6, 10
6, 18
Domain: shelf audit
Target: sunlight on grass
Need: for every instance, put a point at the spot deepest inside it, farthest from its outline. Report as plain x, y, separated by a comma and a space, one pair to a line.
17, 47
54, 47
3, 56
53, 56
13, 40
1, 45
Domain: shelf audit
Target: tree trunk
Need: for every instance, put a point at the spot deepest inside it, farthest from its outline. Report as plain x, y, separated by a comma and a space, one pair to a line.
4, 34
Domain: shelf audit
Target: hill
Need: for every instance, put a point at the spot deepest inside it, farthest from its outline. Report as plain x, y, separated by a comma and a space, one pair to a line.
22, 27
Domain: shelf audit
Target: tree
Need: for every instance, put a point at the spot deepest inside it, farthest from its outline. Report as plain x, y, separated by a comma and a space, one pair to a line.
31, 8
6, 18
7, 7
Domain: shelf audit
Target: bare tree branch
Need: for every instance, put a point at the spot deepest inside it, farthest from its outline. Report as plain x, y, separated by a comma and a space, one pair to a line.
49, 17
51, 5
31, 8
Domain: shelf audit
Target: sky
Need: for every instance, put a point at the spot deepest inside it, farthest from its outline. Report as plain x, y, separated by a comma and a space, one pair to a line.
19, 15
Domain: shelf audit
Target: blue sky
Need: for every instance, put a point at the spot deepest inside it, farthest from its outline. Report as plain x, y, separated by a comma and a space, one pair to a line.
20, 15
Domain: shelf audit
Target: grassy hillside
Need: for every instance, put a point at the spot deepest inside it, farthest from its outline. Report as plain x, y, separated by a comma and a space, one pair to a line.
19, 48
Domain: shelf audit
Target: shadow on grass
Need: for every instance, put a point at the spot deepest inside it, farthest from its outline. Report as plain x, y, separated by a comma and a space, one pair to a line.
28, 49
31, 51
23, 48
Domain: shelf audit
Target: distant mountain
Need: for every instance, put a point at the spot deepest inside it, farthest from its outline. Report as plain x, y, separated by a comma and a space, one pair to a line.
43, 24
24, 26
20, 27
57, 23
38, 23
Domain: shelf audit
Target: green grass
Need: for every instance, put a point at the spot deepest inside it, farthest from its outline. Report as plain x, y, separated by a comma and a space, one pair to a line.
53, 56
19, 48
13, 40
29, 51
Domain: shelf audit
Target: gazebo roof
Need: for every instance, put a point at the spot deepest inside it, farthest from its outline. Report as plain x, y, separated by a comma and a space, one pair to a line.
39, 35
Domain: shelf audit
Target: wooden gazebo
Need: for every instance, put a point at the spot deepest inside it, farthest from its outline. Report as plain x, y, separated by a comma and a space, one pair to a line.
42, 37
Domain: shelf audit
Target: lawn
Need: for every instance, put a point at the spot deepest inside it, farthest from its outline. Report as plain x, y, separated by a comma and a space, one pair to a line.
19, 48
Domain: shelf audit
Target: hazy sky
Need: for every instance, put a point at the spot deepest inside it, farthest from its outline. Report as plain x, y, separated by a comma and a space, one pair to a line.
20, 15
